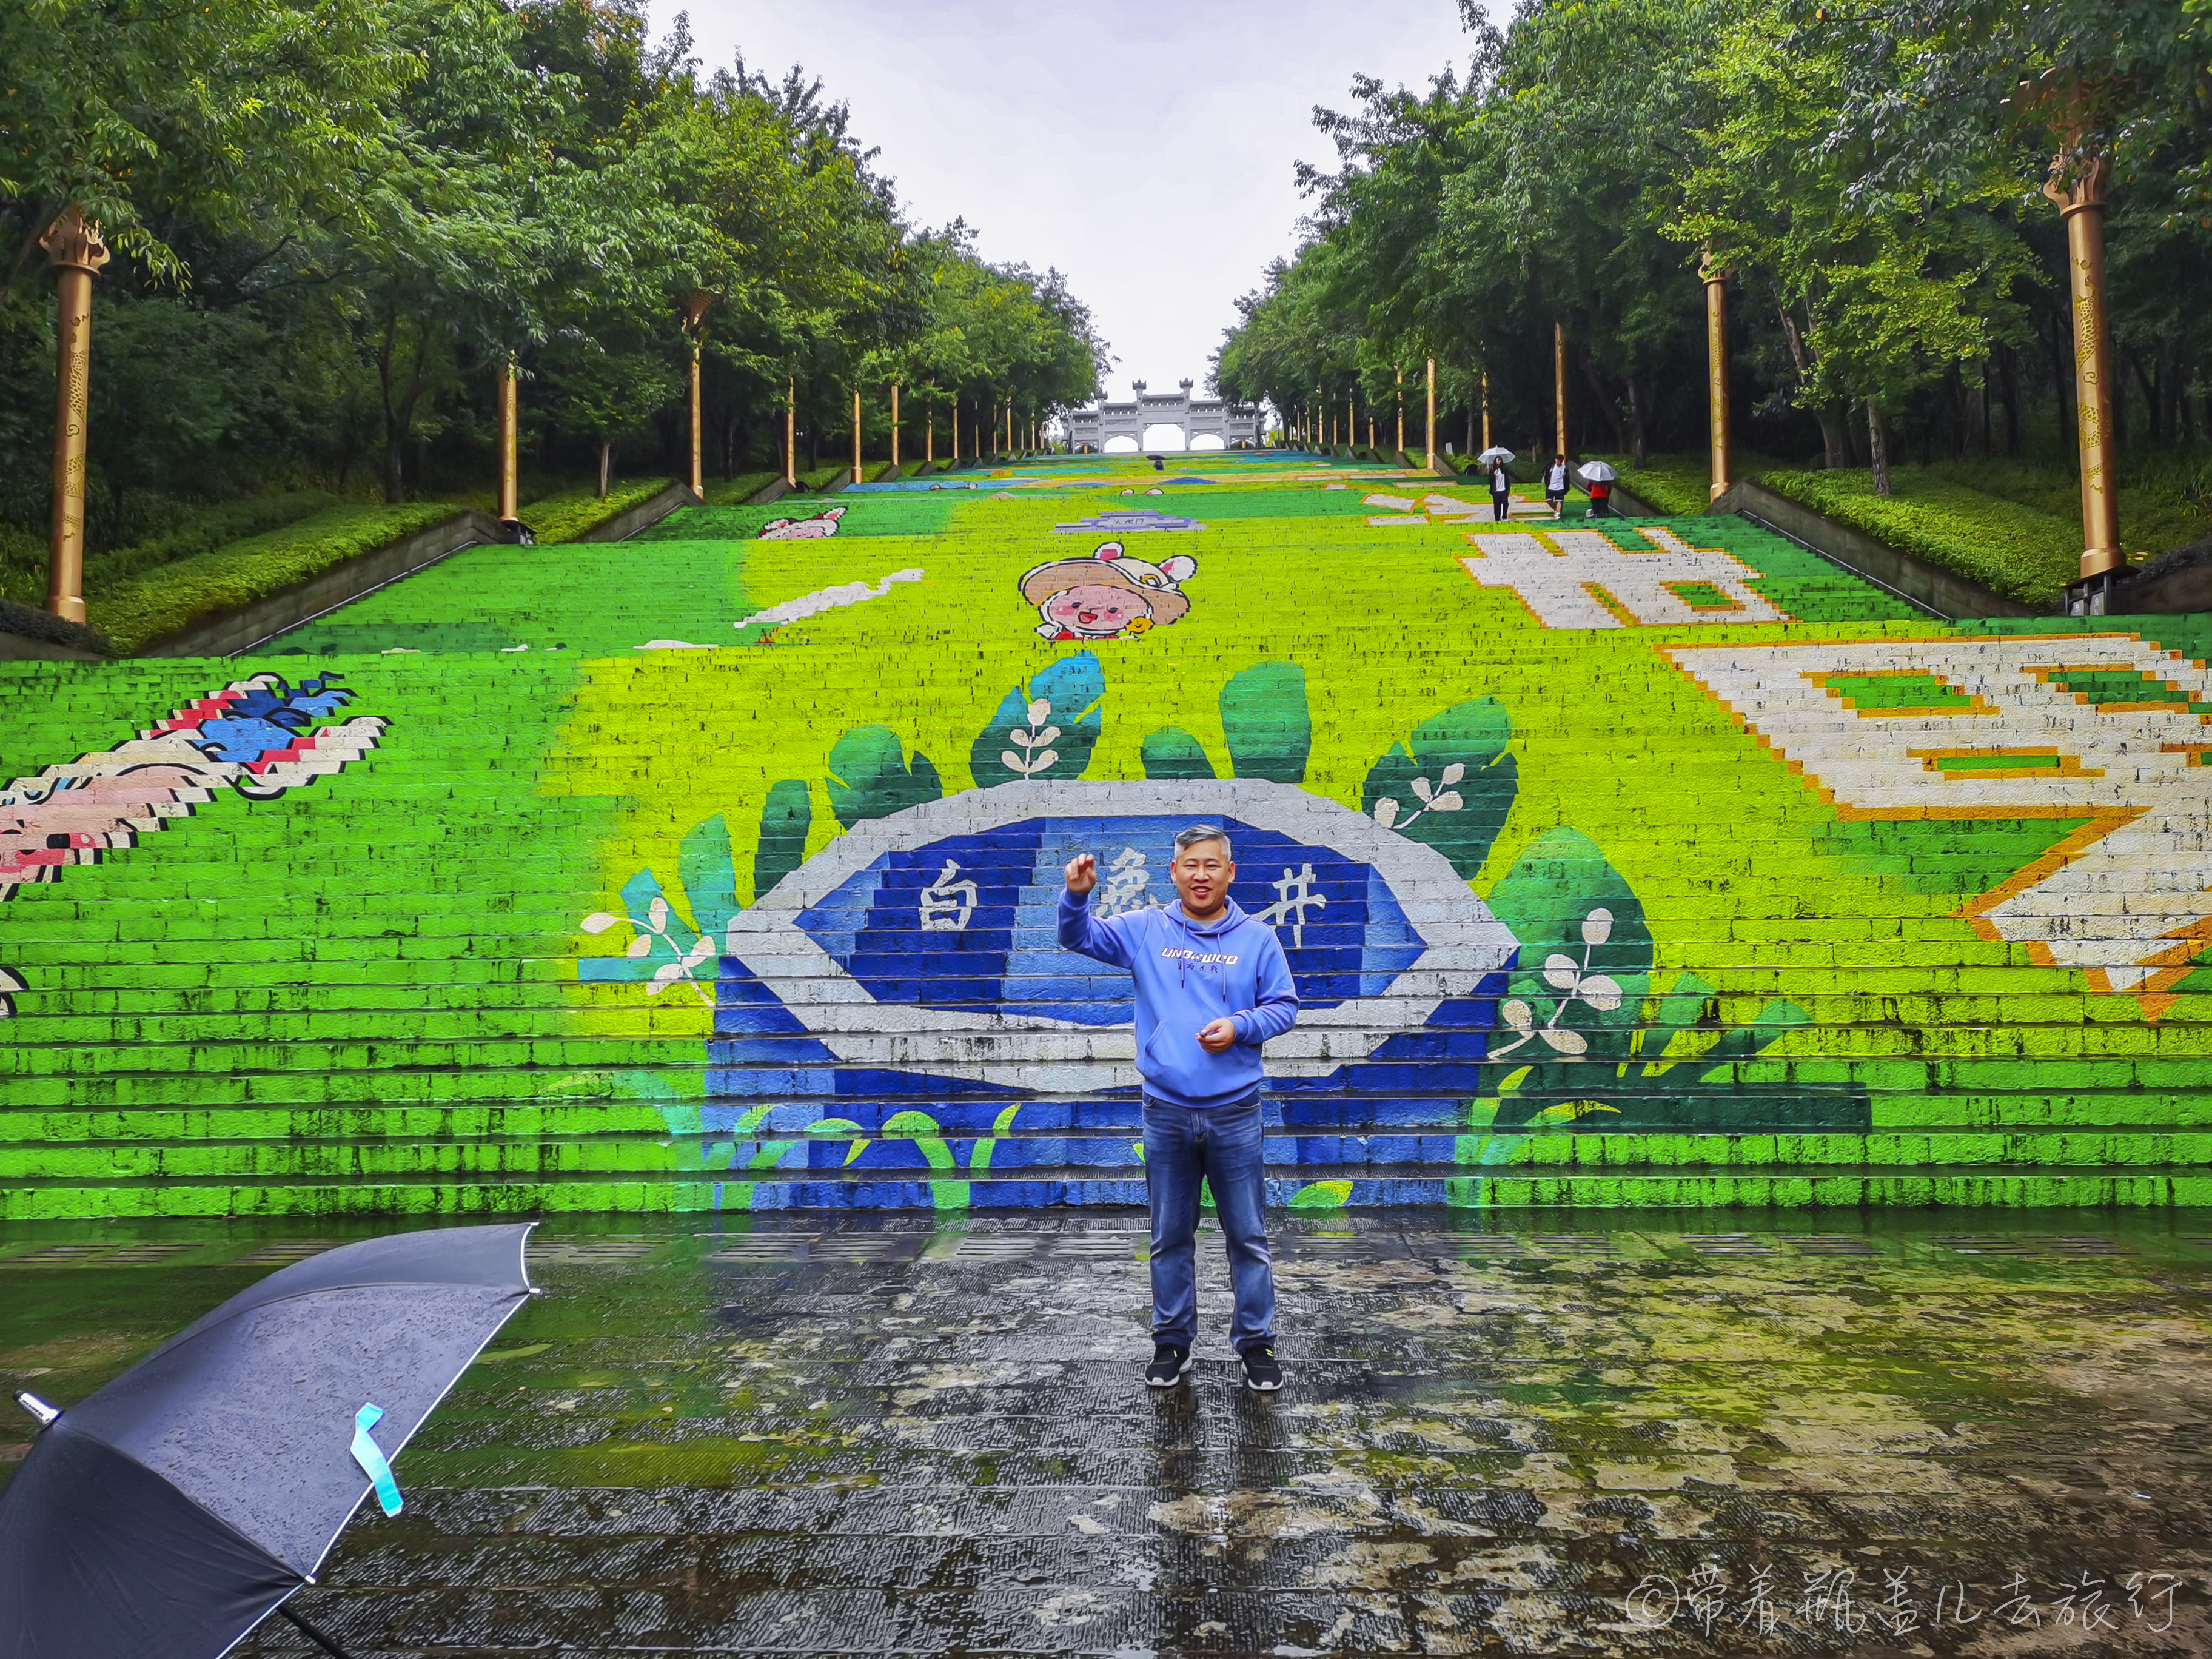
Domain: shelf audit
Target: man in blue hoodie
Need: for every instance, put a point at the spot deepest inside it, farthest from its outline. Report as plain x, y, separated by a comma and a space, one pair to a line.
1212, 985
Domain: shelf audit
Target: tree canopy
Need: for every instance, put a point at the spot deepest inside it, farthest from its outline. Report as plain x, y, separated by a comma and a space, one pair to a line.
335, 222
1869, 175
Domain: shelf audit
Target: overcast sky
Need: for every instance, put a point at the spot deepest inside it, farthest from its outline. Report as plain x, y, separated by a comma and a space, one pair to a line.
1142, 148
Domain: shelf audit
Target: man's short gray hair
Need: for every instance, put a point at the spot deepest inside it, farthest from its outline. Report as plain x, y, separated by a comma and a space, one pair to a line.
1198, 832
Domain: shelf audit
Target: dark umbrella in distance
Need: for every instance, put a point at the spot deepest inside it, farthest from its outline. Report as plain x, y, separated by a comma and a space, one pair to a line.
167, 1514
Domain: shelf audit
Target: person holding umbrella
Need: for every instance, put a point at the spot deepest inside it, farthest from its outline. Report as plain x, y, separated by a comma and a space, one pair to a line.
1597, 478
1501, 482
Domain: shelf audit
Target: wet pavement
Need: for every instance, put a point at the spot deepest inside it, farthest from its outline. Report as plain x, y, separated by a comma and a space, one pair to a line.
1930, 1432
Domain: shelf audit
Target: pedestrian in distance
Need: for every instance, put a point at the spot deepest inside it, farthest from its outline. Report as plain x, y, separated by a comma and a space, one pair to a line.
1501, 492
1212, 985
1555, 485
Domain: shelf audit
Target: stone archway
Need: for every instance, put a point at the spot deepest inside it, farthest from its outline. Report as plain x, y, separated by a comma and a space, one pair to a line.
1236, 425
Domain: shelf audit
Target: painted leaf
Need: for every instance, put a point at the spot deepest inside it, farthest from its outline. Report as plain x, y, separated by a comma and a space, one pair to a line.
870, 778
1597, 926
599, 921
1062, 705
1386, 812
1559, 879
709, 876
1172, 754
1600, 992
785, 817
1463, 745
1265, 718
1559, 972
642, 946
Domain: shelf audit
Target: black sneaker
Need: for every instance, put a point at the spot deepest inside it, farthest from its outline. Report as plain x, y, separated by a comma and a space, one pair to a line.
1261, 1373
1169, 1366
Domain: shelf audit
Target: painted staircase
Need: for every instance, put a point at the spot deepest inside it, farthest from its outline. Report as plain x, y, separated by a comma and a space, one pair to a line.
463, 900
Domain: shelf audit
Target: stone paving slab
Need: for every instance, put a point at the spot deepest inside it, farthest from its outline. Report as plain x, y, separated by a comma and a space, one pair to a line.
1716, 1436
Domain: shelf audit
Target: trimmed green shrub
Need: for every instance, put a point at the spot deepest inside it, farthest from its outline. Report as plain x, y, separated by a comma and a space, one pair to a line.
565, 517
2162, 495
736, 492
144, 608
2009, 548
25, 622
821, 477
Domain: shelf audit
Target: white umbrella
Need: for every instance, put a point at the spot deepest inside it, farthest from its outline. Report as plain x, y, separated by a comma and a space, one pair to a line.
1491, 457
1598, 472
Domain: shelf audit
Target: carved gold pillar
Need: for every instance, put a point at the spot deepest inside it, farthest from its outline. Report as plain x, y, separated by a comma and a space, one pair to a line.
1486, 409
1716, 354
73, 244
790, 432
856, 435
1559, 386
1351, 420
1432, 462
1401, 411
510, 493
2077, 186
894, 435
928, 433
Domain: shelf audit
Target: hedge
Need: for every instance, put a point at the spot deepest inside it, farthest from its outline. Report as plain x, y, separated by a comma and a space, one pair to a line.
2012, 550
27, 622
573, 512
173, 596
736, 492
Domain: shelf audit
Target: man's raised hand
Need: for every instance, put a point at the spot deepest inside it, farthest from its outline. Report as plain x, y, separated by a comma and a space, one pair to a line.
1082, 873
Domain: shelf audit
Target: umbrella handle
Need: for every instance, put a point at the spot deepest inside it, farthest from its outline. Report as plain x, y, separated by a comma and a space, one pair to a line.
314, 1635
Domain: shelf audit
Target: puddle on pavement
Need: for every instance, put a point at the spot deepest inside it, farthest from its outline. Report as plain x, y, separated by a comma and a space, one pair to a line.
1943, 1432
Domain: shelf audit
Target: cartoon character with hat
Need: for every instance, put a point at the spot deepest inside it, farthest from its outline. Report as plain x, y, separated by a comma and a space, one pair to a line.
1108, 596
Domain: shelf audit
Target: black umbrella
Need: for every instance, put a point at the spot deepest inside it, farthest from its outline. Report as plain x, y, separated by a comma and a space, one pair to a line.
169, 1513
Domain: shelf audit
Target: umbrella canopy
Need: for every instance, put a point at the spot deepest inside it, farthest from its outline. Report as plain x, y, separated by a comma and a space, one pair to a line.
1597, 472
1491, 457
168, 1513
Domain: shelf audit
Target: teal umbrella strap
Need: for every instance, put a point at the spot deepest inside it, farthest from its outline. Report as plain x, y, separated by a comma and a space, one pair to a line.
370, 1457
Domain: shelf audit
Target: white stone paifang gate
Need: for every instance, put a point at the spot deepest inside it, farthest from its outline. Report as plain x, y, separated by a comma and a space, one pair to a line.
2102, 727
1237, 425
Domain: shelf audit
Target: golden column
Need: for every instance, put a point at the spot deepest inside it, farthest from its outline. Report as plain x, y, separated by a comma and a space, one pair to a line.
1714, 278
510, 493
1401, 410
73, 244
1432, 462
695, 313
790, 433
856, 435
928, 433
1559, 386
1486, 409
953, 427
894, 435
2077, 185
1351, 419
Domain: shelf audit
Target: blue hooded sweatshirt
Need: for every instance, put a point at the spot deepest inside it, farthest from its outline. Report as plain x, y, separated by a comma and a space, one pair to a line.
1188, 974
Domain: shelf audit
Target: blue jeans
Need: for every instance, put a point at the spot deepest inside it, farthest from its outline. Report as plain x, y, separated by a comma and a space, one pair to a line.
1219, 1145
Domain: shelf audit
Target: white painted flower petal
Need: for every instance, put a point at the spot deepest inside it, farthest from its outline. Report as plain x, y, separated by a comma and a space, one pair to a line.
599, 921
657, 912
1040, 711
1447, 802
1602, 992
1039, 763
1386, 812
1013, 761
1047, 735
1453, 773
1560, 972
1567, 1042
1597, 926
1516, 1015
642, 946
1423, 787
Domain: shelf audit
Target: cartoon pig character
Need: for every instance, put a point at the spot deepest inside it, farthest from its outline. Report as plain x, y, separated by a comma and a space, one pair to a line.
1108, 596
795, 530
